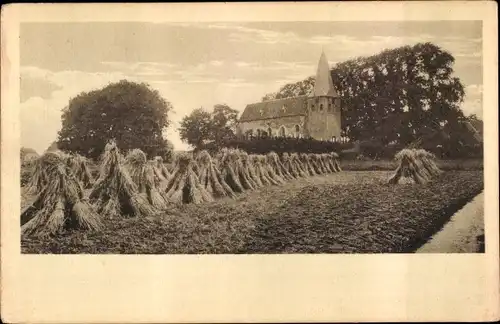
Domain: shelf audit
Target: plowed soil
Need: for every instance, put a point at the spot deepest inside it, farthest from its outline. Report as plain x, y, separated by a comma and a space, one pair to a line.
347, 212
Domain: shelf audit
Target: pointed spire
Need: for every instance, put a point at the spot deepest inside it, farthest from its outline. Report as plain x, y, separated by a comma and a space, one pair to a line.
324, 83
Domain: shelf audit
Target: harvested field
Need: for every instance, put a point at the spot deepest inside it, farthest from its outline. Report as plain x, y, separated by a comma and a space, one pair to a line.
347, 212
383, 165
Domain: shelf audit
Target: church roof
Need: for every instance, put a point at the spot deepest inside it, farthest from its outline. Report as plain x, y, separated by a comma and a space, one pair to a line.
275, 109
324, 83
296, 105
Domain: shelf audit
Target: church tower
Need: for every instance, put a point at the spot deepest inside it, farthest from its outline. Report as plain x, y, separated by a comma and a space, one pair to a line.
324, 109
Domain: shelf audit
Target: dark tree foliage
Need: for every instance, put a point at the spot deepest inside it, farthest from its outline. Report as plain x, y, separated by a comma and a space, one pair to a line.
166, 151
224, 120
201, 126
195, 128
133, 114
279, 145
399, 95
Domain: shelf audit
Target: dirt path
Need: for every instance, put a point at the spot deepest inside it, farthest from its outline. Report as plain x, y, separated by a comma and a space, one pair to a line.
460, 234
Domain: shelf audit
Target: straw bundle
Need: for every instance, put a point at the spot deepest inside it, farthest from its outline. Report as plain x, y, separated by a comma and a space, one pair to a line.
326, 160
142, 174
315, 160
412, 166
269, 170
227, 168
248, 166
302, 169
114, 192
428, 161
234, 173
60, 205
211, 178
278, 167
335, 162
160, 170
195, 167
43, 166
184, 186
80, 167
289, 166
218, 157
261, 170
309, 169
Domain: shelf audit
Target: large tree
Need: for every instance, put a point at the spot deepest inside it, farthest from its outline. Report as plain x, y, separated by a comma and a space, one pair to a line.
131, 113
301, 88
400, 95
202, 126
196, 128
224, 120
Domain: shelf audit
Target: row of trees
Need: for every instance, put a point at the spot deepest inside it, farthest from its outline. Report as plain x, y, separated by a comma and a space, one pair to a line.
202, 127
136, 116
399, 96
279, 145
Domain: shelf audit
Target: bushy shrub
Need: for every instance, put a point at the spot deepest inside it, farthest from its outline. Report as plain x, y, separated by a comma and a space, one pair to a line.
279, 145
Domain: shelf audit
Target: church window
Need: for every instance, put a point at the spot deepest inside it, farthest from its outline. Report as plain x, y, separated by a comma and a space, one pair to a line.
313, 108
330, 108
282, 131
297, 130
337, 102
321, 107
270, 132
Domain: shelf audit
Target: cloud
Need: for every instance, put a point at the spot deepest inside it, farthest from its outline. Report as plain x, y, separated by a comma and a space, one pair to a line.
36, 87
41, 116
477, 55
474, 88
263, 36
140, 68
216, 63
324, 39
473, 101
237, 83
346, 47
39, 123
245, 66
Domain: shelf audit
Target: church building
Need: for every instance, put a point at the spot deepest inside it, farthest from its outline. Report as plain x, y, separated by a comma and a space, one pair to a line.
316, 115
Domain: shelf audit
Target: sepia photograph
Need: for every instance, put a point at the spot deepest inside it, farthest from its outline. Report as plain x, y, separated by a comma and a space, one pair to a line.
249, 162
261, 137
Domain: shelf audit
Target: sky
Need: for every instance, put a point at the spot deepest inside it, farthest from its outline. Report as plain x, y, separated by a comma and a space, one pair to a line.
196, 65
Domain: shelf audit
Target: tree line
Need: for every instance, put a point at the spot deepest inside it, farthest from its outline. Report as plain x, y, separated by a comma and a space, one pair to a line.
405, 95
399, 95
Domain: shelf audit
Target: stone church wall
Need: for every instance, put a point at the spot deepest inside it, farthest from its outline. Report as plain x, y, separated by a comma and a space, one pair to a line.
288, 123
323, 124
